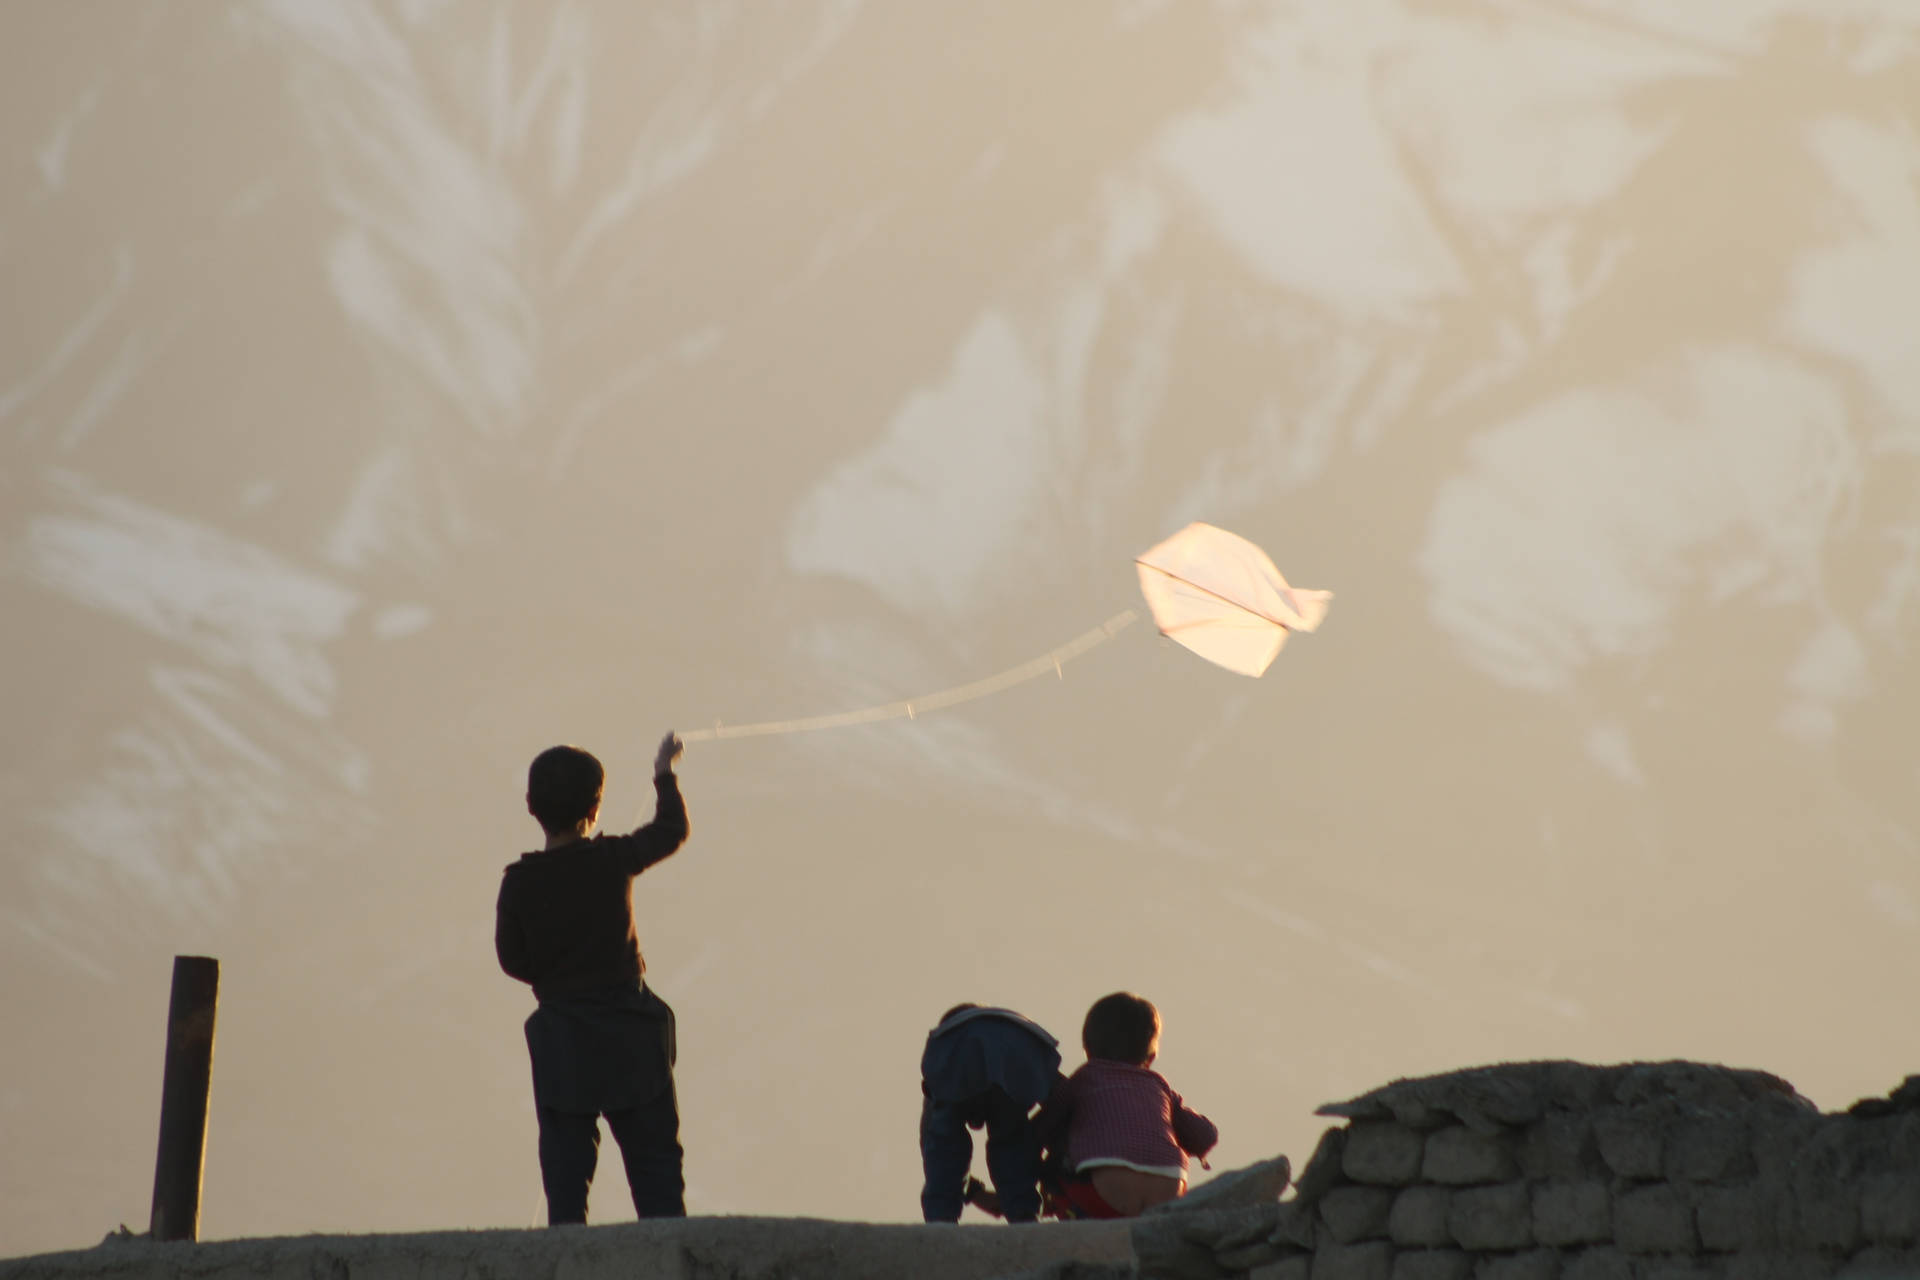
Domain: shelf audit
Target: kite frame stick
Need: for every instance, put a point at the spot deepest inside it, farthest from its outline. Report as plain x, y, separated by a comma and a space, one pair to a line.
1188, 582
914, 708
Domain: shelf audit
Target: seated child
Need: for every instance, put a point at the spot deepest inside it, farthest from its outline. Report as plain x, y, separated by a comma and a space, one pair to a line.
1123, 1134
983, 1068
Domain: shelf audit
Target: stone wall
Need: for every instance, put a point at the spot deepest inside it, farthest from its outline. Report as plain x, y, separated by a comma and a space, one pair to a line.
1560, 1171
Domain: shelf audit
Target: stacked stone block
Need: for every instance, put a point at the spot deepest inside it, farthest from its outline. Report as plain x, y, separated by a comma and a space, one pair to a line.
1561, 1171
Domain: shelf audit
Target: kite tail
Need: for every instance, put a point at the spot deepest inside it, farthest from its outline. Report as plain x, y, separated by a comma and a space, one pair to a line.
909, 708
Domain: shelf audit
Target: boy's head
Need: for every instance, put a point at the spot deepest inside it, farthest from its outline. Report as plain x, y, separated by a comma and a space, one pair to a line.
962, 1007
1122, 1027
563, 789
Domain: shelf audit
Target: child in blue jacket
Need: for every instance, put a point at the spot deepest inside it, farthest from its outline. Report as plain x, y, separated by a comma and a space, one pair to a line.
983, 1068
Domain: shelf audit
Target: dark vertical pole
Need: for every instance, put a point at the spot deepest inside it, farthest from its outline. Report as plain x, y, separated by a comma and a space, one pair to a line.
183, 1099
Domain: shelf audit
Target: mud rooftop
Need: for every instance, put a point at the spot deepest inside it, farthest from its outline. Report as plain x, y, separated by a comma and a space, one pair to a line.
1528, 1171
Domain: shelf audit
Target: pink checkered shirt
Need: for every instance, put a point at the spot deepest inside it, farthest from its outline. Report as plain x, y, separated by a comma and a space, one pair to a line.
1113, 1113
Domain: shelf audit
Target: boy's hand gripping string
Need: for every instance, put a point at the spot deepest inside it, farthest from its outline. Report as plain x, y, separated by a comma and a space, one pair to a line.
669, 752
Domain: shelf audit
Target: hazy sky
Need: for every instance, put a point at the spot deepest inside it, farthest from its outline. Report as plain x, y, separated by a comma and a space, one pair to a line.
392, 390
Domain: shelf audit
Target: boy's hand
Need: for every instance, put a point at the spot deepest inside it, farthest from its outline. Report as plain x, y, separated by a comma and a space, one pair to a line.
981, 1198
670, 749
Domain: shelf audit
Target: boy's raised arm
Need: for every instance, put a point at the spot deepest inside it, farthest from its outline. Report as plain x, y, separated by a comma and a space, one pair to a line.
668, 831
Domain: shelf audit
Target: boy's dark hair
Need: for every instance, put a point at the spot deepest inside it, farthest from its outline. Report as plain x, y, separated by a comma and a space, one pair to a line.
962, 1007
563, 787
1121, 1028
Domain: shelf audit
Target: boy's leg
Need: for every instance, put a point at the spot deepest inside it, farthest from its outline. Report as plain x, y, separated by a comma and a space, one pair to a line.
569, 1150
649, 1138
946, 1153
1013, 1158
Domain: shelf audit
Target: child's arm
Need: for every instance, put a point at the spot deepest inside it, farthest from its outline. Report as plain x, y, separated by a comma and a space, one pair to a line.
1056, 1113
1194, 1132
668, 831
509, 945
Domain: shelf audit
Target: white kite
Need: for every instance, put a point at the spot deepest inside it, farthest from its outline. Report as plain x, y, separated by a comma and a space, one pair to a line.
1220, 596
1210, 590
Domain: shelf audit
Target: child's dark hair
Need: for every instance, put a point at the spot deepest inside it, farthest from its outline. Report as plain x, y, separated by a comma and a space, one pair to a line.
1121, 1028
563, 788
962, 1007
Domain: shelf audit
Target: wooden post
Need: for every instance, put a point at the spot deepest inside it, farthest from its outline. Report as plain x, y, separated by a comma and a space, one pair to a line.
183, 1099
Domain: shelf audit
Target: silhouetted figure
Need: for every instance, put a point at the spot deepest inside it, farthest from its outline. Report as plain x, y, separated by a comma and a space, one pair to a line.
1123, 1133
602, 1042
983, 1068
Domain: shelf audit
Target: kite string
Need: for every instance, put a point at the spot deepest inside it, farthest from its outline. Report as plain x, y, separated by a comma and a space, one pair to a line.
910, 708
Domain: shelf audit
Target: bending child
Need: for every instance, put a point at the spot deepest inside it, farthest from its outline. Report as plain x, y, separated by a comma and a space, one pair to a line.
601, 1041
983, 1068
1123, 1134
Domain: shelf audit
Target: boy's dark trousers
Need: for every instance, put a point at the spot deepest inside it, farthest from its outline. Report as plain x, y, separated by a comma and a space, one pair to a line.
607, 1053
649, 1138
946, 1153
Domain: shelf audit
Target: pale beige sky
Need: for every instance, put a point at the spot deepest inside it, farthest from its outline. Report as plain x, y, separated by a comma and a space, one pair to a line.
391, 390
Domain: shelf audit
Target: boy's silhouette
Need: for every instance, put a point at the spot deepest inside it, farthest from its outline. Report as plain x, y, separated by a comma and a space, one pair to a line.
983, 1068
602, 1043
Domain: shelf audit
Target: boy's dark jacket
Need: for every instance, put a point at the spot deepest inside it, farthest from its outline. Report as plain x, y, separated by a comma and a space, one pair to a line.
976, 1049
600, 1040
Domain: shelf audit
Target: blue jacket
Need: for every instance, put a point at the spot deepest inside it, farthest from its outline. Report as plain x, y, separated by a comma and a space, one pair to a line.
976, 1049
